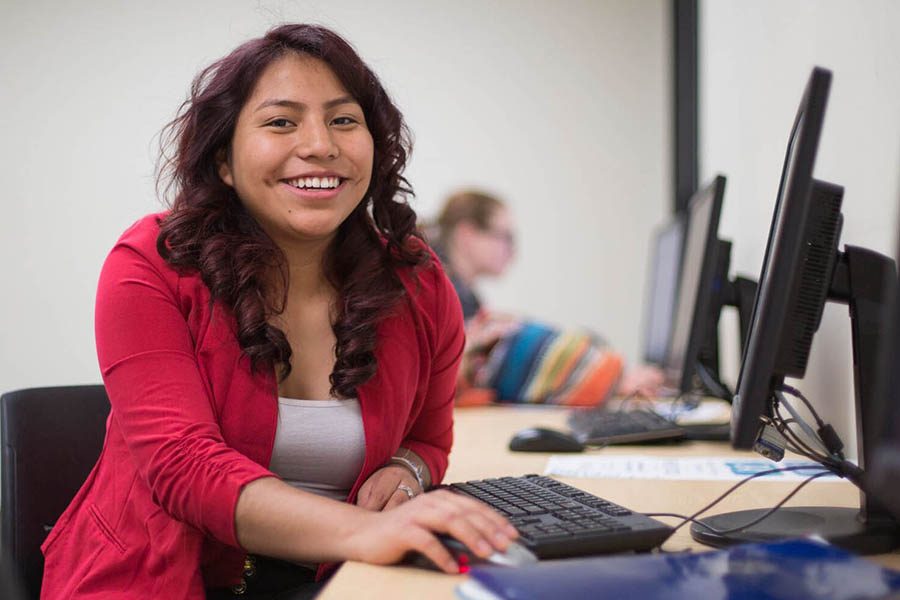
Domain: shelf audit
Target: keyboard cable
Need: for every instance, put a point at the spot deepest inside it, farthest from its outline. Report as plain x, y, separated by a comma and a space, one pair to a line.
831, 461
693, 518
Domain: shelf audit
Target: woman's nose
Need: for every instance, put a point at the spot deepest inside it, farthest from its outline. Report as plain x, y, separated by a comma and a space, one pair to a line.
316, 141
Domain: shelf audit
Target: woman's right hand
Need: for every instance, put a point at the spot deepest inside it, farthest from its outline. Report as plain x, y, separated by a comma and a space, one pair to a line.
385, 537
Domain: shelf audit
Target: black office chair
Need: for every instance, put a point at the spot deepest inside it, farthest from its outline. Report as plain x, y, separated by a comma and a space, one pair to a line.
51, 438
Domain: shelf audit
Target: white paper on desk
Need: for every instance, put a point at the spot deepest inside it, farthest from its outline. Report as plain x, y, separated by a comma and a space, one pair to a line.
693, 468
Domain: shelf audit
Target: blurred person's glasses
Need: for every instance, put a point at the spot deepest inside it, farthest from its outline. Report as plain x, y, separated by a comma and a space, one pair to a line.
503, 235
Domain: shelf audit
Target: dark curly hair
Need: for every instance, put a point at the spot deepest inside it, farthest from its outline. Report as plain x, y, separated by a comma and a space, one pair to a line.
208, 230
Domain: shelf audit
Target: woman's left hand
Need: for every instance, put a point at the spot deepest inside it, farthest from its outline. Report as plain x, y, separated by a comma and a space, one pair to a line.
382, 490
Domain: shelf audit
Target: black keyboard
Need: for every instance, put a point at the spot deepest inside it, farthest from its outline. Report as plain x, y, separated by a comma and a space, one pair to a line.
556, 520
602, 427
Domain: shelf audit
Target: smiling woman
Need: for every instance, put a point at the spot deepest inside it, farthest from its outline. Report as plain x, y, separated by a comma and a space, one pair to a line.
301, 155
280, 350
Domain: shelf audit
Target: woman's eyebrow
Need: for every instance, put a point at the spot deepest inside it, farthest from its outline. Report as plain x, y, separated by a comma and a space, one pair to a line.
293, 104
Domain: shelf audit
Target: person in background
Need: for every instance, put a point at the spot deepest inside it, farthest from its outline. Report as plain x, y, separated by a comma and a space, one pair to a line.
475, 239
474, 235
280, 350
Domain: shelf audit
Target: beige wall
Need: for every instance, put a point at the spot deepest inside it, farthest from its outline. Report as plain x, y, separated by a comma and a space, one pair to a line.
561, 107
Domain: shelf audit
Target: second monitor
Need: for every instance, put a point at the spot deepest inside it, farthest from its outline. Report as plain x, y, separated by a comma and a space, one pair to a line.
692, 359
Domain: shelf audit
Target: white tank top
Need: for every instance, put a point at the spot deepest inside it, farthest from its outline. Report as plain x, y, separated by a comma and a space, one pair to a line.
320, 445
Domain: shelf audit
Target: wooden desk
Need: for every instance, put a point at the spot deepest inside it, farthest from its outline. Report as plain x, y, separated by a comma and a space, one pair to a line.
479, 451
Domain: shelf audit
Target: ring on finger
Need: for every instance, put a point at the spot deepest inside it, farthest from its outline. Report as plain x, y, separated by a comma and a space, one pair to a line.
410, 493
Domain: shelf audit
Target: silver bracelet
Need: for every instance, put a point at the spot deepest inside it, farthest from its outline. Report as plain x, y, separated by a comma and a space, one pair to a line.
411, 467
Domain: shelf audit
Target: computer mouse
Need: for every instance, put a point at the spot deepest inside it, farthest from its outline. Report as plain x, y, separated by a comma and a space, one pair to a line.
516, 555
541, 439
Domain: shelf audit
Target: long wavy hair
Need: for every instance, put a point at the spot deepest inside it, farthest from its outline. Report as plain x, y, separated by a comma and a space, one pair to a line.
208, 230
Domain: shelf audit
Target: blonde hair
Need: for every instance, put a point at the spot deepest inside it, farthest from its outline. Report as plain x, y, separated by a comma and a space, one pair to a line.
473, 206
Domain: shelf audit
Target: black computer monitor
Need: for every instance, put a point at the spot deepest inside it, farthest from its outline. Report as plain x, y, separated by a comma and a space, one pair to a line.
801, 270
665, 270
692, 361
884, 472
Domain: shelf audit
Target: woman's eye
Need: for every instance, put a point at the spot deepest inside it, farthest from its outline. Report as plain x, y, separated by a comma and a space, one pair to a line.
280, 123
345, 121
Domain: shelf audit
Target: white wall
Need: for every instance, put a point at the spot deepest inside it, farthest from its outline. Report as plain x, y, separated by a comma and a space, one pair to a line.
755, 59
561, 107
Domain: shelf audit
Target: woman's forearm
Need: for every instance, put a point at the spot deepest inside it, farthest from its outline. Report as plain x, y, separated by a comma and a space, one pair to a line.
274, 519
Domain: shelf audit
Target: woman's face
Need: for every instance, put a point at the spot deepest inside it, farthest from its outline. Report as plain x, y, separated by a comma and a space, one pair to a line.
301, 155
494, 247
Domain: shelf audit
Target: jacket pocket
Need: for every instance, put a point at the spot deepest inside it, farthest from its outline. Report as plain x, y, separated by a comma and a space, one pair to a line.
105, 529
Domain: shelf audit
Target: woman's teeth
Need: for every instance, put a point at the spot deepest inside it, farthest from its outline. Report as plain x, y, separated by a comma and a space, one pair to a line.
315, 182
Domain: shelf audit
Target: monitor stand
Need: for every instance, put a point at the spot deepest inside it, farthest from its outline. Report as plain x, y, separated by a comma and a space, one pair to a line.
840, 526
866, 282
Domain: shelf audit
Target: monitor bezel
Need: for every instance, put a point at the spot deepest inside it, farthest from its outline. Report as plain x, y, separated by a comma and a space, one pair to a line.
781, 265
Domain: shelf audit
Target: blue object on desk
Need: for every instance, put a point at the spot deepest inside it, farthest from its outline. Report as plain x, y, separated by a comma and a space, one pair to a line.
791, 570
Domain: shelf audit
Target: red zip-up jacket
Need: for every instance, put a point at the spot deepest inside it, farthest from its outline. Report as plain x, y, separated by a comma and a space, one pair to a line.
191, 424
